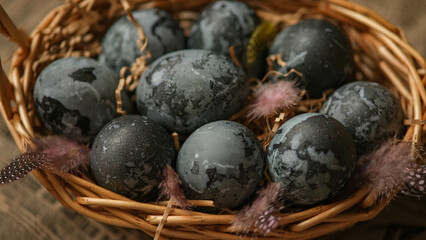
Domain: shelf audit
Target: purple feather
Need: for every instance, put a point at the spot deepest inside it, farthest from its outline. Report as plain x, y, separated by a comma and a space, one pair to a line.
53, 153
171, 187
261, 213
389, 168
21, 166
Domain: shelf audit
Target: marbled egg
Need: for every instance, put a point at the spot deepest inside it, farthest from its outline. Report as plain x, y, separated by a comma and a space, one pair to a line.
369, 111
119, 46
313, 156
75, 97
186, 89
222, 161
317, 49
223, 24
129, 155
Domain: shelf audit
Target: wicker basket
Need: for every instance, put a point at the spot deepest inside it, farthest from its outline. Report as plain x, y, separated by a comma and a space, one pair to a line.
382, 53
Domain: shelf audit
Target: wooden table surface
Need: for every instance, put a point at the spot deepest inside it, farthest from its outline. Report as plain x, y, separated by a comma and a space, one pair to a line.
409, 15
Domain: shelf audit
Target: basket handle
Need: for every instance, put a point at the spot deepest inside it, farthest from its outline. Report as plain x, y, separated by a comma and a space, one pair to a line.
9, 29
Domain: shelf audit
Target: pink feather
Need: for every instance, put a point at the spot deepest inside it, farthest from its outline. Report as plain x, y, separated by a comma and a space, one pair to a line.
53, 153
170, 187
65, 155
388, 168
260, 213
271, 97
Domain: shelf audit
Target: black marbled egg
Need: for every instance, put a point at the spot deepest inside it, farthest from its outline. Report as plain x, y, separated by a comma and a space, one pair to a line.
185, 89
129, 155
369, 111
223, 24
75, 97
119, 46
222, 161
313, 156
317, 49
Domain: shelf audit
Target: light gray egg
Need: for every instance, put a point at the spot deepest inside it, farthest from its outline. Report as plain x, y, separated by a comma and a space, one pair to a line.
369, 111
129, 156
119, 46
186, 89
222, 161
223, 24
75, 97
313, 156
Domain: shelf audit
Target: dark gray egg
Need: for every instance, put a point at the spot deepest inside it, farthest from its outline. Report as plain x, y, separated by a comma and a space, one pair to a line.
186, 89
222, 161
317, 49
313, 156
369, 111
75, 97
119, 46
129, 155
223, 24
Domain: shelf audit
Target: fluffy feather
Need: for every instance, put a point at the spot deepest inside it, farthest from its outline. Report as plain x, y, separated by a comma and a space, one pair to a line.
389, 168
271, 97
170, 187
260, 213
66, 155
53, 153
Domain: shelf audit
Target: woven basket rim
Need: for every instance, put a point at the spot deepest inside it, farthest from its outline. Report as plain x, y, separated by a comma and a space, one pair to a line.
381, 43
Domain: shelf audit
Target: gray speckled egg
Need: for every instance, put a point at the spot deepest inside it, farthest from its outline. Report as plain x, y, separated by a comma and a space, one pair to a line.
75, 97
313, 156
129, 155
119, 46
223, 24
222, 161
185, 89
369, 111
317, 49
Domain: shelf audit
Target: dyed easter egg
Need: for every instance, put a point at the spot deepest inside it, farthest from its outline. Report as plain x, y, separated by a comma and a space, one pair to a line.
75, 97
119, 46
223, 24
313, 156
129, 155
222, 161
186, 89
369, 111
320, 51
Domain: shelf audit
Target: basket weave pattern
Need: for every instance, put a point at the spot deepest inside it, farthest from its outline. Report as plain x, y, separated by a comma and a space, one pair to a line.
74, 29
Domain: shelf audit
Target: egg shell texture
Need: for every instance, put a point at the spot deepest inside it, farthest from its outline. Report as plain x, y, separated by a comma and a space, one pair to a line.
317, 49
119, 46
129, 155
222, 161
185, 89
369, 111
223, 24
313, 156
75, 97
